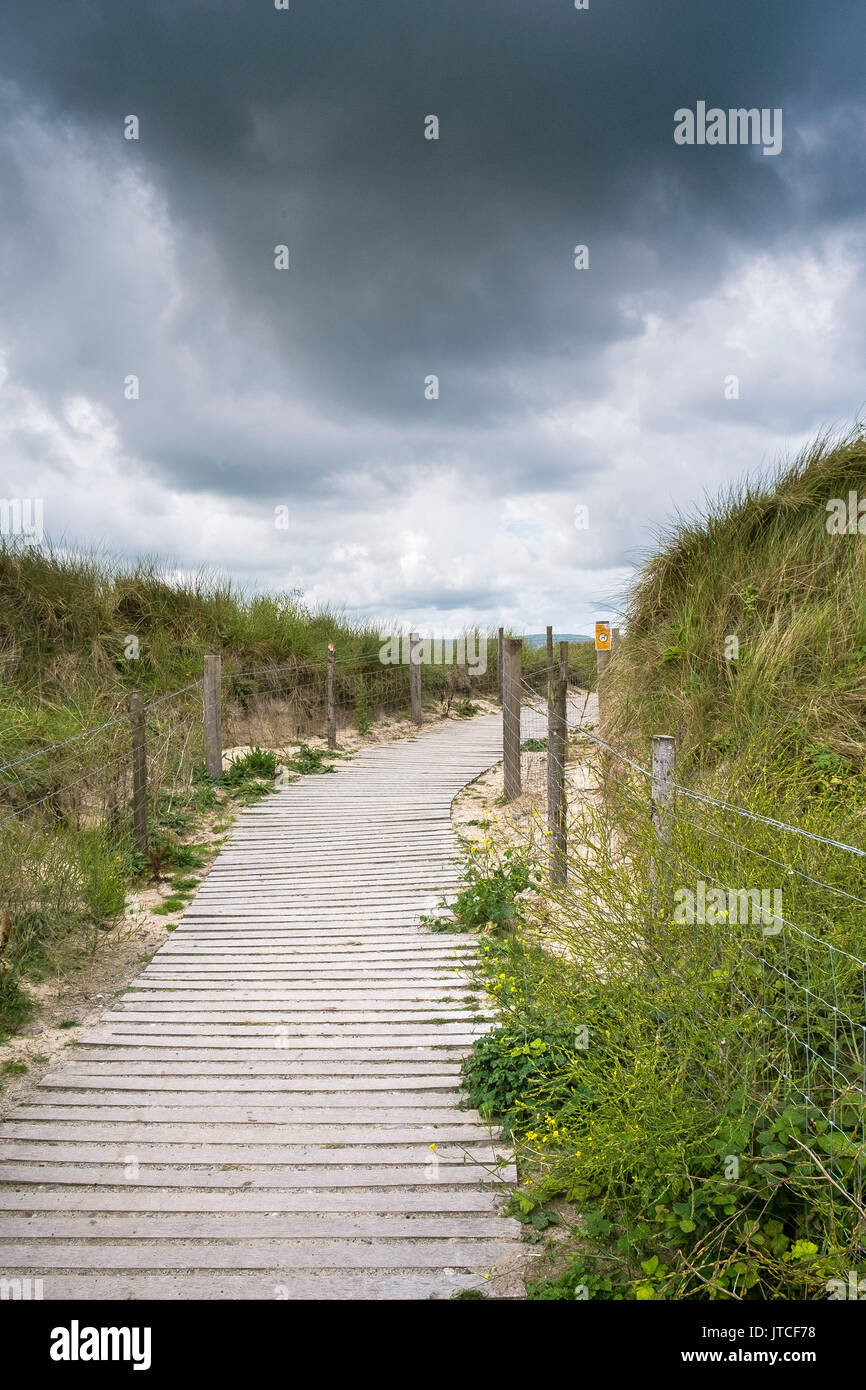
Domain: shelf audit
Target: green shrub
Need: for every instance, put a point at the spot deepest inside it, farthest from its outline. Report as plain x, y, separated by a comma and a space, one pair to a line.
254, 765
310, 760
492, 883
466, 709
507, 1065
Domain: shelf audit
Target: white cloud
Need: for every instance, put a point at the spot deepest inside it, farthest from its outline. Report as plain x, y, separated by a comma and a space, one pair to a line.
377, 523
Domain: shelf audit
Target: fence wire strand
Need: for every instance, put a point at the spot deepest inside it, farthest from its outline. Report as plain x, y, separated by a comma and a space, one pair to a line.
808, 991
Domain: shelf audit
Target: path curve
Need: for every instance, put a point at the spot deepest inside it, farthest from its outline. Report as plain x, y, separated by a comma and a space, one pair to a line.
273, 1108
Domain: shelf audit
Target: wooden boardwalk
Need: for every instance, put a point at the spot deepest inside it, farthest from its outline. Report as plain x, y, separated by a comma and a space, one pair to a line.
273, 1109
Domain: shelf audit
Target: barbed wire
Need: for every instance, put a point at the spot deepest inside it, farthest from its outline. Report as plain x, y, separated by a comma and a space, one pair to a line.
64, 743
97, 729
58, 791
720, 805
767, 820
172, 694
363, 659
827, 945
781, 864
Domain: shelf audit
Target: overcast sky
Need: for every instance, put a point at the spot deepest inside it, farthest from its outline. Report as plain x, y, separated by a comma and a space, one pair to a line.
262, 388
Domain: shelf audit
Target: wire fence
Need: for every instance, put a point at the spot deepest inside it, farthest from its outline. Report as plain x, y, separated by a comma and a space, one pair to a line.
85, 779
757, 923
137, 797
276, 706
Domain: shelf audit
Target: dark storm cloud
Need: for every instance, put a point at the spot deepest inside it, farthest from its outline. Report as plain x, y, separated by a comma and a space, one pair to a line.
409, 257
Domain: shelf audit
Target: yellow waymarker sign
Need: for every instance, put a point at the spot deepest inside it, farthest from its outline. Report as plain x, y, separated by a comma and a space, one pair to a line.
602, 637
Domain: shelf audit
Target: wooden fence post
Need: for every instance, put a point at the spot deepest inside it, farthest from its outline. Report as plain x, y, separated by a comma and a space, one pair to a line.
557, 743
563, 674
414, 678
513, 662
332, 696
664, 759
499, 660
663, 763
139, 773
211, 695
550, 677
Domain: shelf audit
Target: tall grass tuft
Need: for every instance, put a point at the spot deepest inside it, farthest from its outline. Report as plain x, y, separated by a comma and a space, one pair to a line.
757, 566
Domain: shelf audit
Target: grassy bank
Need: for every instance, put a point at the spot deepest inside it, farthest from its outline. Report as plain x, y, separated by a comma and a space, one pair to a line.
746, 634
78, 633
687, 1087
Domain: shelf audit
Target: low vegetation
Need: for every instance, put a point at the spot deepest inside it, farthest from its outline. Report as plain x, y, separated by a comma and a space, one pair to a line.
686, 1089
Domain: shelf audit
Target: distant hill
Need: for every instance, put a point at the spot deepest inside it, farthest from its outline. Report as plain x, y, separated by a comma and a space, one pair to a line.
538, 639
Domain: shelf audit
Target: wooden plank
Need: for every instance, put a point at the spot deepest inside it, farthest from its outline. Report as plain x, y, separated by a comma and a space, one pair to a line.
216, 1134
275, 1061
275, 1254
452, 992
49, 1167
416, 1156
137, 1200
307, 1285
202, 1226
270, 1076
306, 1118
321, 1043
